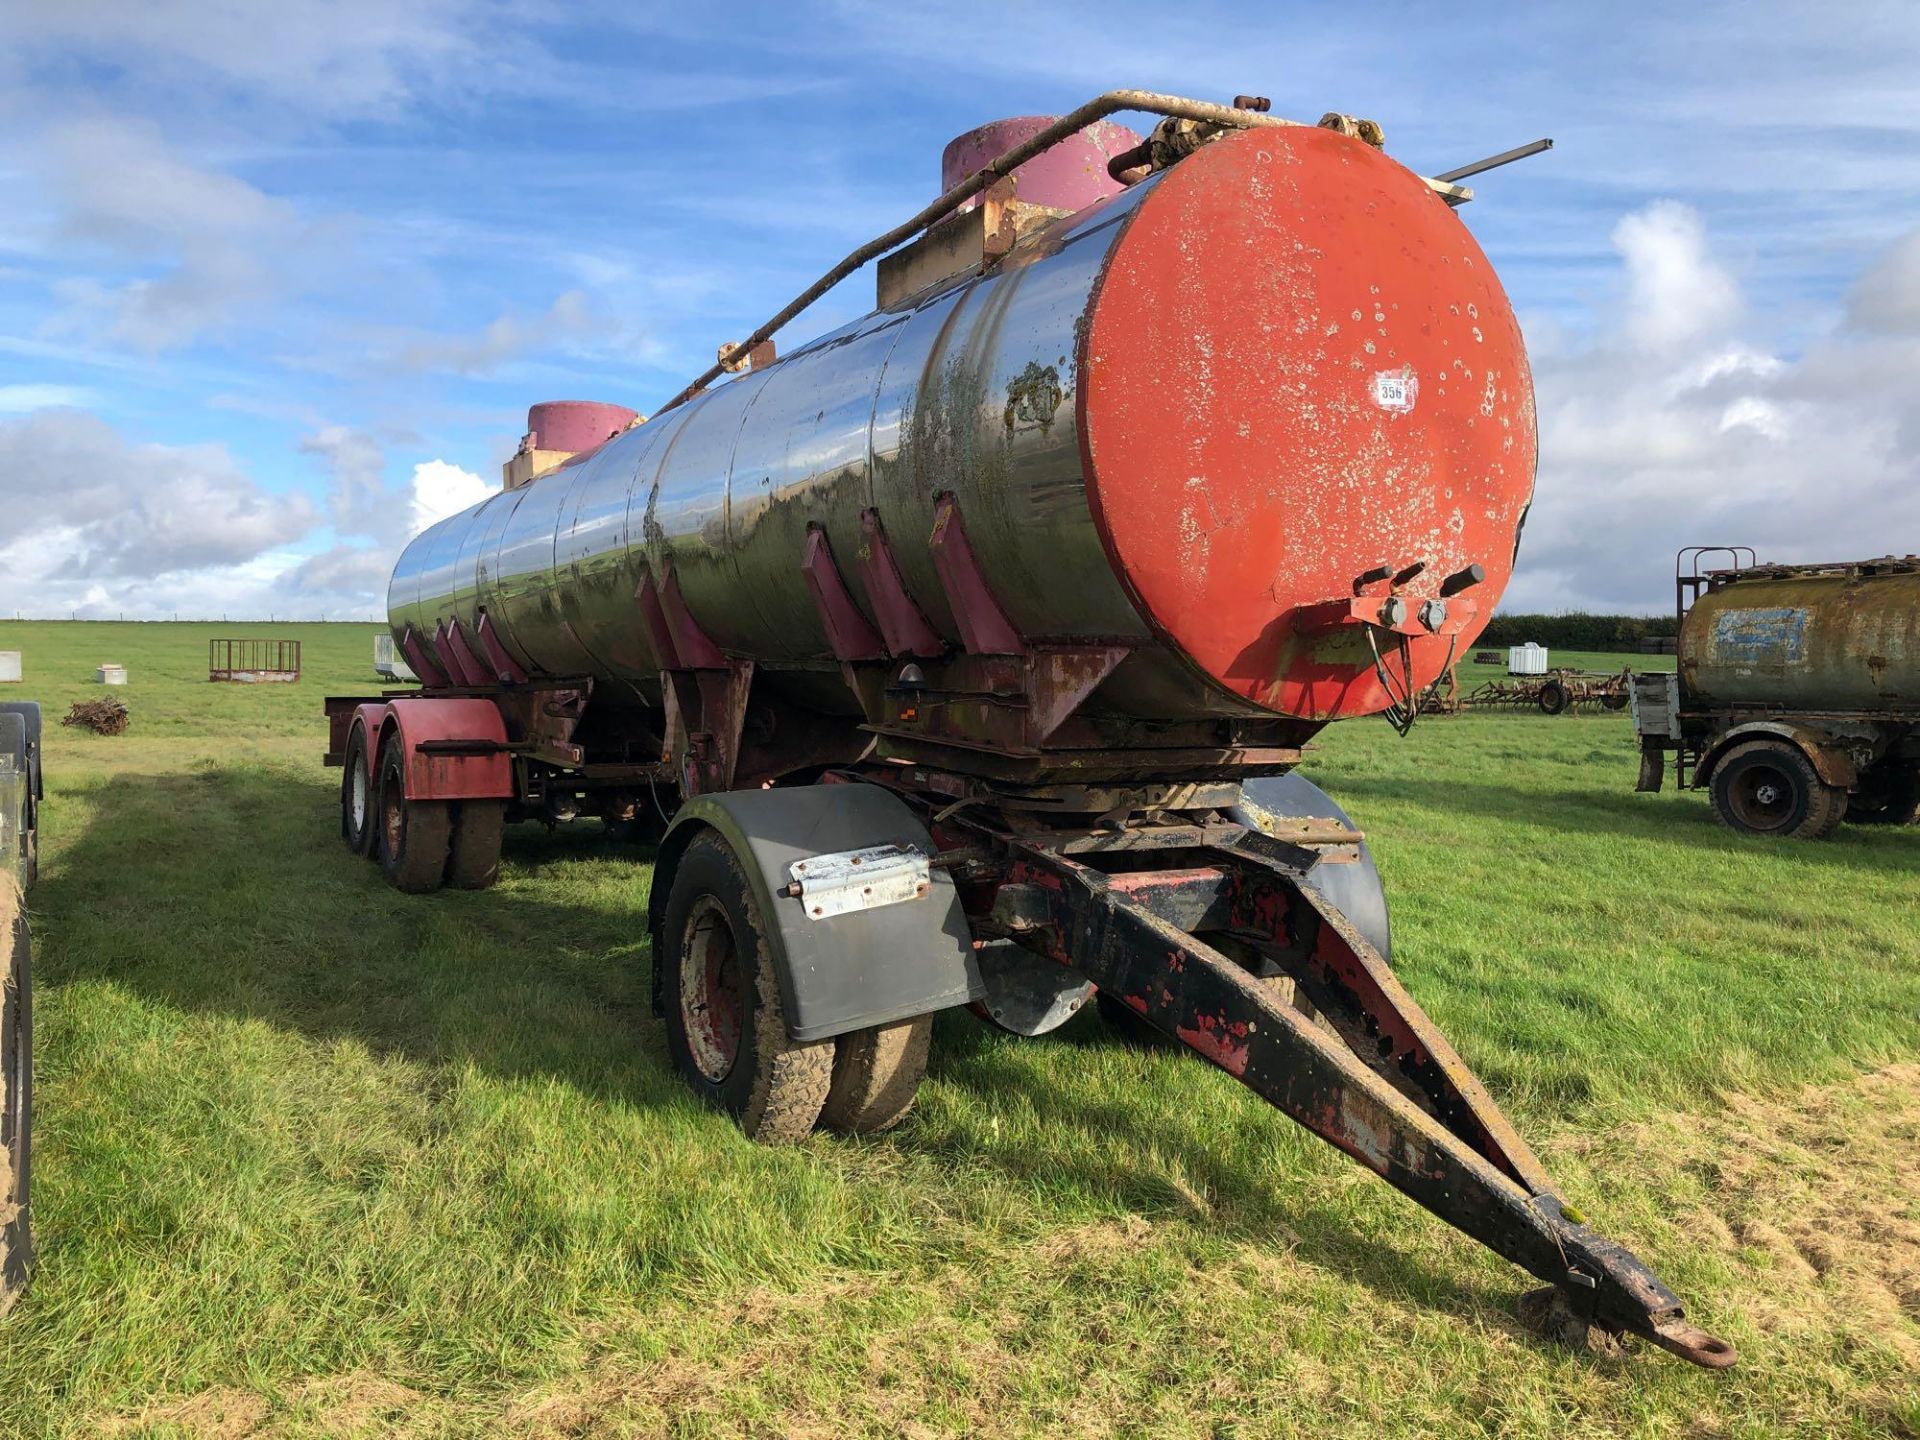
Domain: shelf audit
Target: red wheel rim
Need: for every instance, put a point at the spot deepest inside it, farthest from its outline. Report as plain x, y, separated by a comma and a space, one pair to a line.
712, 990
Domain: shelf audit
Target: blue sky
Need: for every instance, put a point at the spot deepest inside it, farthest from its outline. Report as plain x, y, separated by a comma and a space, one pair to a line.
276, 281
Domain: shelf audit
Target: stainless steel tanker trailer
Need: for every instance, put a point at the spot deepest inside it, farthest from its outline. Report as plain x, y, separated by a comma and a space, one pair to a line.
1795, 700
964, 654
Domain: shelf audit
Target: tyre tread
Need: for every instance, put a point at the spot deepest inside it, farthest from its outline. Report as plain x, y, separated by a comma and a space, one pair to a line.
473, 854
876, 1075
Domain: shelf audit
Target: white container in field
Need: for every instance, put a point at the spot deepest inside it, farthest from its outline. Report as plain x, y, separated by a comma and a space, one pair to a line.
9, 667
1527, 659
111, 675
387, 661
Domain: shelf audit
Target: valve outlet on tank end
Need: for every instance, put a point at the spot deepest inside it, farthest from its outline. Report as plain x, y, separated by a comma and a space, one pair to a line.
1366, 579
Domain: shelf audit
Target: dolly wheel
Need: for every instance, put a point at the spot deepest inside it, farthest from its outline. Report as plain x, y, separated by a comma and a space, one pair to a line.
473, 856
413, 833
16, 1092
1769, 787
876, 1074
726, 1031
357, 826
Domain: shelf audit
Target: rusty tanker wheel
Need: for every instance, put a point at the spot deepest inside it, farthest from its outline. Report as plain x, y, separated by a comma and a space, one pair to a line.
876, 1074
1770, 788
726, 1029
413, 833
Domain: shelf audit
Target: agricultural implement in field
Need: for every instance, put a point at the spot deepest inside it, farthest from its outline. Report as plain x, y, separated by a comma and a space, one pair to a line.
1796, 698
962, 656
1553, 693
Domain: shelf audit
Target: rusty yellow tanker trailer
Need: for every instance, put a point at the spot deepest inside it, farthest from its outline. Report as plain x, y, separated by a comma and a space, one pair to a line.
965, 653
1796, 701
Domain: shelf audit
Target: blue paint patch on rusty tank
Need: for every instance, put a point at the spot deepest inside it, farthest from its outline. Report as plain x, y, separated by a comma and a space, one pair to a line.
1776, 636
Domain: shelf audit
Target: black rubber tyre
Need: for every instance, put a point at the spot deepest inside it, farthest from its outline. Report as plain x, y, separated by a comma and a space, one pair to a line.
473, 854
16, 1093
358, 808
876, 1074
726, 1033
1554, 698
1770, 788
18, 826
1887, 796
413, 833
1613, 700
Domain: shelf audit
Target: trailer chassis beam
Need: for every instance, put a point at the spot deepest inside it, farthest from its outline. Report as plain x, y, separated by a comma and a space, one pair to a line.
1395, 1095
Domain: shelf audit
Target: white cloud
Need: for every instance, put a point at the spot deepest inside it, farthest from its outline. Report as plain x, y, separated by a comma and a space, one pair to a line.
129, 525
441, 489
1676, 294
1887, 299
220, 253
504, 338
1669, 428
336, 57
359, 498
22, 399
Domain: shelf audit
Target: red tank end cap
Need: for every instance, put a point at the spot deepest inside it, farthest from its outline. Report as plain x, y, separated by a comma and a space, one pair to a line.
1300, 368
1070, 176
576, 424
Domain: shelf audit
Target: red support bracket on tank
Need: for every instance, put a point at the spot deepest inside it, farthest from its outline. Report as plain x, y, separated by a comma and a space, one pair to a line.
706, 712
849, 633
421, 660
984, 626
673, 634
902, 624
504, 668
451, 641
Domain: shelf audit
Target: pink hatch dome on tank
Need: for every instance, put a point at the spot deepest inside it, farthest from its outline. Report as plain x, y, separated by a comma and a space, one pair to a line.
1070, 176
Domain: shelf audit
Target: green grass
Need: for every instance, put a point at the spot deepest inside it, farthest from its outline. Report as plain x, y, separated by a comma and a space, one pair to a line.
319, 1158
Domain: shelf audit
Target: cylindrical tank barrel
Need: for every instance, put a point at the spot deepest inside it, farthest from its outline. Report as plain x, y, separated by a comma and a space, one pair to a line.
1823, 640
1187, 420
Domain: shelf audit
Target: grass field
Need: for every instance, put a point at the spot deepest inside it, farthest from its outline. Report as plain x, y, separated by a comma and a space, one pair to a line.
319, 1158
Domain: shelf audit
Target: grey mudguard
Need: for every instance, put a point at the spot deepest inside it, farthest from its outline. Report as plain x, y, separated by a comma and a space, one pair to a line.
1354, 889
845, 972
